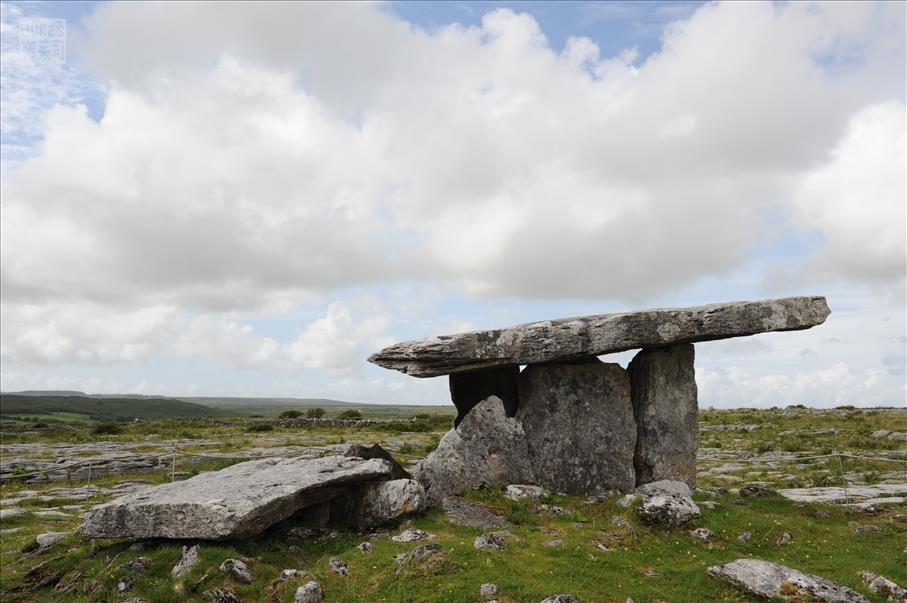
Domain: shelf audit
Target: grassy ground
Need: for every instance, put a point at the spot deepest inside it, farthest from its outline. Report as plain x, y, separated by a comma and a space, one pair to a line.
645, 563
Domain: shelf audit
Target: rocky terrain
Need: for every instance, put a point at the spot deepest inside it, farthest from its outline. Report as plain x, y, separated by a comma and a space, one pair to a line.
770, 488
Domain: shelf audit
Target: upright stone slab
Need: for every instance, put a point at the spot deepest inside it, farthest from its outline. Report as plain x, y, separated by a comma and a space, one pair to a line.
486, 448
470, 388
578, 420
663, 386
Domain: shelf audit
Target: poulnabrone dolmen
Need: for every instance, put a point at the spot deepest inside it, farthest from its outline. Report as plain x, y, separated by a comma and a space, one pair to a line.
568, 421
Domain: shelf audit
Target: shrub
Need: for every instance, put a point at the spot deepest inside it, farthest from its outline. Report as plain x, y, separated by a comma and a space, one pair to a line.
314, 413
351, 415
259, 427
289, 414
107, 428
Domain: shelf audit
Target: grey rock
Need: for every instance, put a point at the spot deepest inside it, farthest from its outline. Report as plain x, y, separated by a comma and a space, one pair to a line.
755, 491
837, 495
627, 501
665, 486
783, 539
488, 590
48, 539
668, 510
376, 451
241, 500
365, 547
468, 514
10, 531
490, 541
486, 448
310, 592
663, 386
469, 388
704, 534
124, 585
553, 543
237, 569
421, 556
771, 580
221, 595
745, 537
524, 492
339, 566
138, 565
596, 335
412, 535
560, 599
12, 512
186, 562
885, 587
579, 426
372, 505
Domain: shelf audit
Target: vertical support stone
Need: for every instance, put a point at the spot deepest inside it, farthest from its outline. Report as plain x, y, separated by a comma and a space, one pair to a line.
470, 388
663, 386
579, 426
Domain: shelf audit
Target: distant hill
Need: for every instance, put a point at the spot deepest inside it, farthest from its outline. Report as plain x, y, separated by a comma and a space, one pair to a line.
50, 392
238, 402
104, 409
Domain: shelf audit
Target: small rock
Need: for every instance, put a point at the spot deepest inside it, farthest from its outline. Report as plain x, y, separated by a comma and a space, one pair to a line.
524, 492
412, 535
425, 559
883, 586
561, 599
820, 514
627, 501
12, 512
310, 592
488, 590
466, 513
622, 523
664, 486
783, 539
599, 545
365, 547
237, 569
48, 539
138, 565
863, 529
10, 531
703, 534
553, 510
668, 510
221, 595
756, 491
339, 566
490, 541
711, 505
124, 585
553, 543
308, 533
286, 574
186, 562
745, 537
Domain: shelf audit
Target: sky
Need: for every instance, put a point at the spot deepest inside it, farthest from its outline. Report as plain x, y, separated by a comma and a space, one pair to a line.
249, 199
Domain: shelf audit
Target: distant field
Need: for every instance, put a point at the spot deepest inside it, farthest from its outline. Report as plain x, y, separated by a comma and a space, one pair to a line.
101, 409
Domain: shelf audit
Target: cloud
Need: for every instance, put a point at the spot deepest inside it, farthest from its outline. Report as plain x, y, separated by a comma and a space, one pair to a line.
836, 385
250, 161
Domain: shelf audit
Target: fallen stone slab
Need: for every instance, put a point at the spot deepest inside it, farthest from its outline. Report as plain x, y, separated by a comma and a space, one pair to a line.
241, 500
838, 495
884, 587
772, 580
376, 451
573, 338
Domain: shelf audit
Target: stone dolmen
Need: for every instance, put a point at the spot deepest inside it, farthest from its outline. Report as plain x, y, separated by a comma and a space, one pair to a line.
568, 421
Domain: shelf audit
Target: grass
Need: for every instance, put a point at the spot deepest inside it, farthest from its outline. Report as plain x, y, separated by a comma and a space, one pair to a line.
645, 563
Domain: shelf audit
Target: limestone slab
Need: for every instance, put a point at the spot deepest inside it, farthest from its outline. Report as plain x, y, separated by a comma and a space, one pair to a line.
241, 500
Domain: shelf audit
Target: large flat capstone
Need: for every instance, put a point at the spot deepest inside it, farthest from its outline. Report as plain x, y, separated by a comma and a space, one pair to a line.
241, 500
572, 338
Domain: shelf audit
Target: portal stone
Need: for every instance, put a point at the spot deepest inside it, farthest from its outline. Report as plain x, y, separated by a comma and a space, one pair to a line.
578, 420
663, 385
